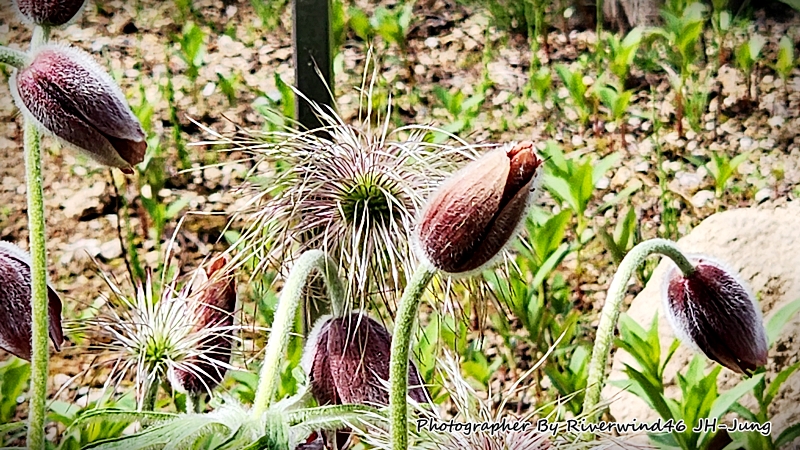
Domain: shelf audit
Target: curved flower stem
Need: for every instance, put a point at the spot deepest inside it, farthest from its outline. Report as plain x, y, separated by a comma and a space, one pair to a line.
13, 58
401, 345
285, 315
36, 228
610, 312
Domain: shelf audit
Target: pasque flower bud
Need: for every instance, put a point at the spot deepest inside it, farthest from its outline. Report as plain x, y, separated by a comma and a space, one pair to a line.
212, 314
712, 311
66, 93
51, 13
347, 361
15, 303
474, 214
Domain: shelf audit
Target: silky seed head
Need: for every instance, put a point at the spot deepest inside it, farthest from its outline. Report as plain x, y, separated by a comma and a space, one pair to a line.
715, 313
52, 13
15, 304
66, 93
474, 214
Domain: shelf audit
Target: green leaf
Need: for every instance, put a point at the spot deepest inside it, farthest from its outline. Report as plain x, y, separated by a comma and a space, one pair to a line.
602, 166
775, 385
608, 96
621, 106
180, 431
472, 103
654, 395
726, 400
779, 320
793, 432
359, 23
633, 38
549, 265
15, 375
560, 189
738, 159
724, 21
175, 207
687, 40
120, 415
625, 229
672, 349
6, 428
549, 236
785, 62
756, 43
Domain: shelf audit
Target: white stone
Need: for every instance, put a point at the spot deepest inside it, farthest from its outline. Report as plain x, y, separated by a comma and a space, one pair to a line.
111, 249
763, 195
701, 198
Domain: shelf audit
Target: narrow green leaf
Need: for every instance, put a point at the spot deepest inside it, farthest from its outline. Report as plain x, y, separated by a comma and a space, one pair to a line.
654, 396
775, 385
779, 320
602, 166
791, 433
725, 401
785, 62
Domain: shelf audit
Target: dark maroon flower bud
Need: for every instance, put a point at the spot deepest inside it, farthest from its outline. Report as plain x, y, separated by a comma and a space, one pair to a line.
70, 96
474, 214
52, 13
712, 311
347, 361
212, 312
15, 303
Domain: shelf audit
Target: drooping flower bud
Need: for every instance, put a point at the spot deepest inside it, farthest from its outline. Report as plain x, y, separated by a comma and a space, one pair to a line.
474, 214
52, 13
15, 303
712, 311
212, 313
347, 361
67, 94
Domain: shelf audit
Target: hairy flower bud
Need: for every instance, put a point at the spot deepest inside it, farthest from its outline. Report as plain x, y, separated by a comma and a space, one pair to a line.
67, 94
15, 303
347, 361
52, 13
713, 312
474, 214
212, 314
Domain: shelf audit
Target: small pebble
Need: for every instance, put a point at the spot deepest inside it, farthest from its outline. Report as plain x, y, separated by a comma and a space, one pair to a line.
763, 195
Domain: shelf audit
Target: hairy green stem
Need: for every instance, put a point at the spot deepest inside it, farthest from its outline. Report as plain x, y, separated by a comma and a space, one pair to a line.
149, 400
284, 319
610, 312
13, 58
401, 346
39, 314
